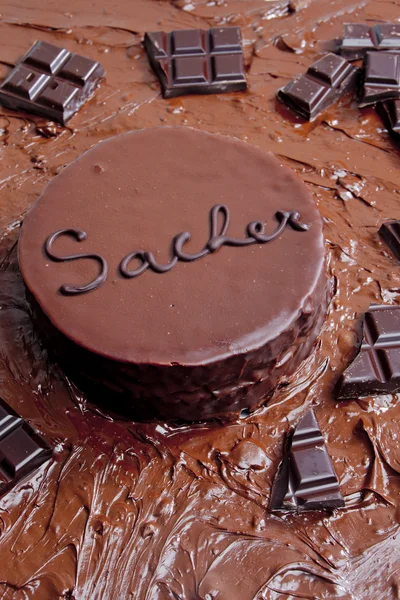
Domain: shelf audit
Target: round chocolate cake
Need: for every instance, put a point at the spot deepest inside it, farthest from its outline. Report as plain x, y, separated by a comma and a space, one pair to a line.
128, 509
228, 306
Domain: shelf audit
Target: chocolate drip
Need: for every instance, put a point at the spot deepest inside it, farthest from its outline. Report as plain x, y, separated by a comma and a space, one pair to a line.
255, 235
71, 290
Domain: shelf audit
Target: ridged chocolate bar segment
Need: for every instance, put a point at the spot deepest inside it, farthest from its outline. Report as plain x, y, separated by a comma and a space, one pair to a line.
376, 369
390, 233
325, 82
194, 61
51, 82
22, 450
359, 38
306, 479
382, 78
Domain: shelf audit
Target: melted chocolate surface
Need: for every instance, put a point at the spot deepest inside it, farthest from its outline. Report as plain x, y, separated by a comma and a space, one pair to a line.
150, 511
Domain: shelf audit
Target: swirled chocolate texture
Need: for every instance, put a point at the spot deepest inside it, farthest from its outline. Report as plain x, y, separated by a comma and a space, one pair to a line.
150, 511
187, 339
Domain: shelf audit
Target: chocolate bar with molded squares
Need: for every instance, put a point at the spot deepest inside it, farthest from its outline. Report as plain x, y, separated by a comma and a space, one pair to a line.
306, 479
195, 61
376, 368
359, 38
382, 78
22, 450
325, 82
51, 82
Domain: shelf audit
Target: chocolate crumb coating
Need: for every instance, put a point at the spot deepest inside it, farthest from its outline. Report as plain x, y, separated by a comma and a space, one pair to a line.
151, 511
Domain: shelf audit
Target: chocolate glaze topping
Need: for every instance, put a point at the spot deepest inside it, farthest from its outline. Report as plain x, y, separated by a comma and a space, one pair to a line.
143, 511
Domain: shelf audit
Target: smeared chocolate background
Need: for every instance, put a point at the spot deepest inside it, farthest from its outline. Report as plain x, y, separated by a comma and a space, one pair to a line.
160, 513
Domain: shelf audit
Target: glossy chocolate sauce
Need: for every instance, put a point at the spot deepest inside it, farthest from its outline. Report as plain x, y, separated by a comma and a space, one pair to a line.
150, 511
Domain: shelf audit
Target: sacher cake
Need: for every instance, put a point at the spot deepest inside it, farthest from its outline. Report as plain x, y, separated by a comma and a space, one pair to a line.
199, 300
211, 285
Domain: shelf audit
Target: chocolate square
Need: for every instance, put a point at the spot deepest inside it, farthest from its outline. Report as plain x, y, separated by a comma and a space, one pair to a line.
51, 82
388, 36
189, 69
194, 61
46, 57
382, 77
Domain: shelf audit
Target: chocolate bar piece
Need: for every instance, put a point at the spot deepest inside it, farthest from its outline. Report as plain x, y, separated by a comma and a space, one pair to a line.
382, 77
51, 82
325, 81
306, 479
194, 61
376, 369
390, 233
390, 113
22, 450
359, 38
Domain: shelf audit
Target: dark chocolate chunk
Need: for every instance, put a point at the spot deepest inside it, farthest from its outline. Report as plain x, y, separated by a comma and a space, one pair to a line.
325, 81
306, 479
376, 368
22, 450
382, 77
390, 113
51, 82
359, 38
390, 233
194, 61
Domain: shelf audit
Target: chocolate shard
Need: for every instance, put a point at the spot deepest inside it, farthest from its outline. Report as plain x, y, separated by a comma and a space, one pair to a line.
359, 38
306, 479
390, 233
376, 368
325, 82
51, 82
194, 61
22, 450
382, 78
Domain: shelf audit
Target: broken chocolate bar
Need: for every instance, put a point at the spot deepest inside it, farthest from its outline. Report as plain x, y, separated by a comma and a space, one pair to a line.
51, 82
382, 78
306, 479
390, 233
325, 81
194, 61
390, 113
359, 38
22, 450
376, 369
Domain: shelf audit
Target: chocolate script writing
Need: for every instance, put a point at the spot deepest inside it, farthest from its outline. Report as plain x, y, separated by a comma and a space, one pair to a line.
254, 234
